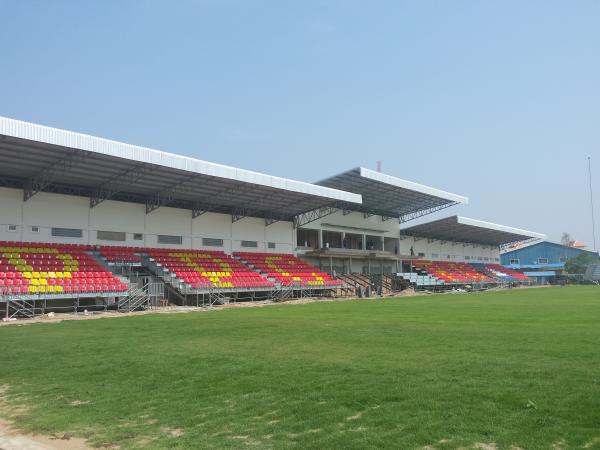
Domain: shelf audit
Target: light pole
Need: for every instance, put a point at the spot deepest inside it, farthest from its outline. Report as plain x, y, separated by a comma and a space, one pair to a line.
592, 201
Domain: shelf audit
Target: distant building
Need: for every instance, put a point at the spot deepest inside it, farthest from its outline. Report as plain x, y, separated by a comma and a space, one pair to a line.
542, 261
541, 255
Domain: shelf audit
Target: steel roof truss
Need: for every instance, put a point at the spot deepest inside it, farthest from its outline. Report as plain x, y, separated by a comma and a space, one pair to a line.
111, 187
46, 176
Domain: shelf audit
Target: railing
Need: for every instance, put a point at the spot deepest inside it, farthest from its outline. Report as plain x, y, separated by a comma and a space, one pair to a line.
216, 296
137, 298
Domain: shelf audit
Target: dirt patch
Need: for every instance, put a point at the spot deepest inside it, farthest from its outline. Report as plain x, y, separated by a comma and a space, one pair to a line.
484, 446
12, 439
173, 432
357, 416
79, 402
173, 309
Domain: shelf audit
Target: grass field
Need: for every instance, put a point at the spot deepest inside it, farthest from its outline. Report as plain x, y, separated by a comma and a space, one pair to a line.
518, 368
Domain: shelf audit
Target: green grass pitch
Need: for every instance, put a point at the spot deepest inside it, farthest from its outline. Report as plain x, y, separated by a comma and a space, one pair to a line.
517, 368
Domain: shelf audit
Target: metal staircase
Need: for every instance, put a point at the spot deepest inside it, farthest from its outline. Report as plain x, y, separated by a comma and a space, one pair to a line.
19, 308
281, 294
215, 296
137, 299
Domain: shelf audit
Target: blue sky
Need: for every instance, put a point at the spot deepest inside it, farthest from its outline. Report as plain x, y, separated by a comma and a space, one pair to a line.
499, 101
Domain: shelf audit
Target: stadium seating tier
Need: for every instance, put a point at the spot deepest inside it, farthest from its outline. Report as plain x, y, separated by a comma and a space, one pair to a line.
288, 269
39, 268
208, 269
452, 272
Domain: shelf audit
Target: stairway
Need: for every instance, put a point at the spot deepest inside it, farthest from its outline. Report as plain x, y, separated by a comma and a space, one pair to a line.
137, 299
217, 297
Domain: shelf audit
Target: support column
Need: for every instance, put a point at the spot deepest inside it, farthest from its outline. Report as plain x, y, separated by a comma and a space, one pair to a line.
364, 242
321, 244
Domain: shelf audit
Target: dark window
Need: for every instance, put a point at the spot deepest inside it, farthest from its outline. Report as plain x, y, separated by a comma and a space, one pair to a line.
67, 232
167, 239
212, 242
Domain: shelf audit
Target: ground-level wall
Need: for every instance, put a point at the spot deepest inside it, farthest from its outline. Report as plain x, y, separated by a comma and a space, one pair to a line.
33, 221
387, 235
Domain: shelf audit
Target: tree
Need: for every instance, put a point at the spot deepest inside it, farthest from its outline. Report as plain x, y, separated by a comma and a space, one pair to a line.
579, 263
566, 239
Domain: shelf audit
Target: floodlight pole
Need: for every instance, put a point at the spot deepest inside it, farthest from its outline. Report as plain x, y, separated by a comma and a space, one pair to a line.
592, 201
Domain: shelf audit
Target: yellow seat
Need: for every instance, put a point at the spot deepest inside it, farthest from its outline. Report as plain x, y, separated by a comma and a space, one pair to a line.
43, 282
66, 274
26, 274
35, 282
43, 274
59, 275
58, 289
51, 274
43, 289
33, 289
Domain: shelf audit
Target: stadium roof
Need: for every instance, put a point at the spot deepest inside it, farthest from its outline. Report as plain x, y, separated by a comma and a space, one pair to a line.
463, 229
388, 196
39, 158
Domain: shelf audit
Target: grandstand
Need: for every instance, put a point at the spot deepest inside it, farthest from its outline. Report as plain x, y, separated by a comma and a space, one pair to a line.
88, 222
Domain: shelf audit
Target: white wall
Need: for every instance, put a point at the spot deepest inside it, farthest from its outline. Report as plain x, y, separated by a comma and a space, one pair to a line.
46, 210
356, 223
435, 249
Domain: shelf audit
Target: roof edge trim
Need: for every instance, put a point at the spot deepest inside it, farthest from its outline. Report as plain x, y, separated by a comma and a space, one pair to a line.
497, 227
394, 181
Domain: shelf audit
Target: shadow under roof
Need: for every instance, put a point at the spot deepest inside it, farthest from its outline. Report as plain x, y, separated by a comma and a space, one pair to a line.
388, 196
37, 158
463, 229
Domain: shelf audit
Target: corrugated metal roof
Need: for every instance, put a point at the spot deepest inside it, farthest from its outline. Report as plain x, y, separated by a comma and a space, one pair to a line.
546, 273
80, 164
536, 266
390, 196
463, 229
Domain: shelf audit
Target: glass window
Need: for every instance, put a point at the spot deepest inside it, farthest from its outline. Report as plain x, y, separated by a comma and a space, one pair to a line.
212, 242
167, 239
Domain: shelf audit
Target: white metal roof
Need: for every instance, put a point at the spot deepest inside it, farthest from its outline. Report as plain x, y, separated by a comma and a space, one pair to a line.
390, 196
79, 163
464, 229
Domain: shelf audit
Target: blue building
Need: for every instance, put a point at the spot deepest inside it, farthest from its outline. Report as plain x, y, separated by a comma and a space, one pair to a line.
546, 255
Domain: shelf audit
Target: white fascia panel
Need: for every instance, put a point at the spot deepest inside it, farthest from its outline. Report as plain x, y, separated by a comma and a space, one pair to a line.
394, 181
495, 226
